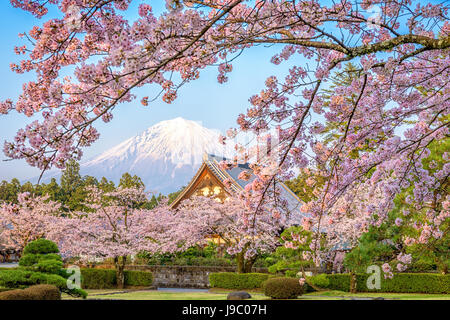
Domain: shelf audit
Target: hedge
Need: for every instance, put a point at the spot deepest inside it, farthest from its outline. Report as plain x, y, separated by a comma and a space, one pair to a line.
231, 280
401, 283
24, 278
106, 278
37, 292
283, 288
138, 278
98, 278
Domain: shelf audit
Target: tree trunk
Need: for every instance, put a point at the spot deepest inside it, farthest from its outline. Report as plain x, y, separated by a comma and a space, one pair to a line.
240, 262
119, 262
249, 264
353, 283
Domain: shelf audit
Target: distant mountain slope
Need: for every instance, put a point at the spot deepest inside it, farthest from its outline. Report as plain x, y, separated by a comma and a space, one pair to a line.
165, 156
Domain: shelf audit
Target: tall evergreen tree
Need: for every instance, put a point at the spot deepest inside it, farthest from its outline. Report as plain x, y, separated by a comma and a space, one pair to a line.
129, 181
105, 185
9, 190
71, 178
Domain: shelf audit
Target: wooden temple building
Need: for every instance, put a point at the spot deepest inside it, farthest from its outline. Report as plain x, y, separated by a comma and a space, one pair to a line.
209, 181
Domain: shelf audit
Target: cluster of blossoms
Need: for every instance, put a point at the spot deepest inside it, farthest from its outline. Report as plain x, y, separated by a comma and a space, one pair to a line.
387, 271
200, 219
30, 219
114, 224
400, 85
404, 261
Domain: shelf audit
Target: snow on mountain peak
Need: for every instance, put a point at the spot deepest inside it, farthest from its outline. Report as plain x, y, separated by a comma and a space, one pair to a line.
165, 156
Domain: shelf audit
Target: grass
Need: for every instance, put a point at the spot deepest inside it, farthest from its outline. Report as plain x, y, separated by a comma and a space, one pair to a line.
386, 295
215, 294
151, 295
221, 294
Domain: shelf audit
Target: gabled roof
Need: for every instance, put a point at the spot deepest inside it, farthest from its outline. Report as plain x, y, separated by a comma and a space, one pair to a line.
190, 188
211, 163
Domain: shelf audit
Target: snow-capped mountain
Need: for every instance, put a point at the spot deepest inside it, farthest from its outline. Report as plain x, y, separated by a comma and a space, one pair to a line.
165, 156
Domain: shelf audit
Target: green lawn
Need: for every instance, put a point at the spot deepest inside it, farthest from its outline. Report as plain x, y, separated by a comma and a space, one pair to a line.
396, 296
221, 294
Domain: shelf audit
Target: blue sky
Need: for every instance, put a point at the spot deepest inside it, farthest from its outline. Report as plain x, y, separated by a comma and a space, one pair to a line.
215, 105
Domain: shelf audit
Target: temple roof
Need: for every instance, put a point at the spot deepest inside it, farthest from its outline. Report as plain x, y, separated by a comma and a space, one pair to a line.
211, 162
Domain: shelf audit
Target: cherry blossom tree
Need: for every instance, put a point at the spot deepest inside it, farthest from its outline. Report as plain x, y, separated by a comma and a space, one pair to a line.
114, 228
30, 219
200, 219
399, 49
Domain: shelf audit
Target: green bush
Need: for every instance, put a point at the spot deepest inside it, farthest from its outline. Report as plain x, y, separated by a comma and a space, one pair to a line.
29, 259
231, 280
37, 292
24, 278
283, 288
32, 258
48, 266
41, 256
98, 278
138, 278
48, 263
106, 278
42, 246
401, 283
39, 264
321, 281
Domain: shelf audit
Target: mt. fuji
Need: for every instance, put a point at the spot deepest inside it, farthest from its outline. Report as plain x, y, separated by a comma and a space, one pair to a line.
165, 156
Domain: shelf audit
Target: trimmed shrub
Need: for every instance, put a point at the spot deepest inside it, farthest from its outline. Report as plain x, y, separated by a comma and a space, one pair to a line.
29, 259
42, 246
106, 278
48, 266
39, 264
17, 294
34, 258
37, 292
98, 278
283, 288
23, 278
41, 256
44, 292
138, 278
401, 283
231, 280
